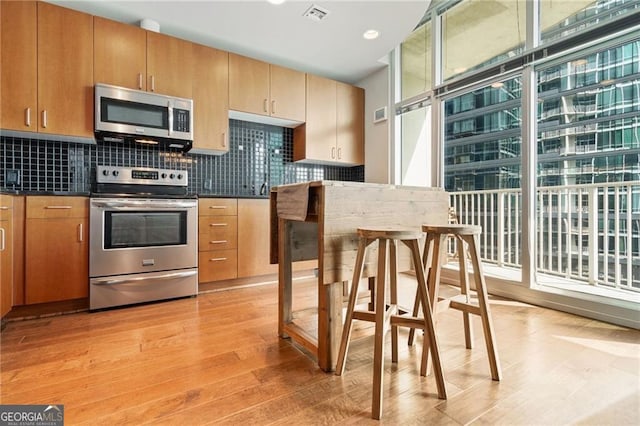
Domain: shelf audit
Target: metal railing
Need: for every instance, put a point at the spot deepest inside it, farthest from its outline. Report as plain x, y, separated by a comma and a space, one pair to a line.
585, 233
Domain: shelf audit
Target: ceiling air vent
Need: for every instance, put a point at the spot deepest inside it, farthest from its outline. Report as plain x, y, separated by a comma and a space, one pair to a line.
316, 13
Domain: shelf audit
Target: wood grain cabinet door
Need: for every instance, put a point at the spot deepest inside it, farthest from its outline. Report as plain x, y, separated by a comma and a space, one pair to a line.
248, 85
287, 93
65, 71
169, 65
120, 54
19, 66
350, 124
254, 238
210, 99
6, 254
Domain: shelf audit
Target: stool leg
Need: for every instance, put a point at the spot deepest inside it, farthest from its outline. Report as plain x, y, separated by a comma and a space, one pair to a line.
427, 255
433, 286
464, 289
483, 302
393, 297
346, 330
430, 338
378, 352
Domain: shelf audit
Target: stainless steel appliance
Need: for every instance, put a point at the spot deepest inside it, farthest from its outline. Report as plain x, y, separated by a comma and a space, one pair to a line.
144, 237
126, 114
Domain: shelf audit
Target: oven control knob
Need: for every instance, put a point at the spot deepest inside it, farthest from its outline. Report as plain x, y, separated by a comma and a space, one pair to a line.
115, 173
163, 176
105, 172
179, 177
172, 176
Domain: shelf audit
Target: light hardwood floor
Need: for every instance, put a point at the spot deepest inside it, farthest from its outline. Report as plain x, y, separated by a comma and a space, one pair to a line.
217, 359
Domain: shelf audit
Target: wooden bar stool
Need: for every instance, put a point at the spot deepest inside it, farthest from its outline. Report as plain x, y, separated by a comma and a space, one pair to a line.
385, 316
467, 237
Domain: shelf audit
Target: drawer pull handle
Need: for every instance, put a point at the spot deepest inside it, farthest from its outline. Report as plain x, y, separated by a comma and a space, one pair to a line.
218, 224
218, 242
58, 207
217, 207
217, 259
4, 208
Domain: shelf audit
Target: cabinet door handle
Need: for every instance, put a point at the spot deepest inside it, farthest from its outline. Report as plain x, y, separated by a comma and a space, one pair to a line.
153, 84
333, 152
264, 105
218, 224
27, 117
140, 80
224, 139
217, 207
2, 246
339, 153
80, 233
57, 207
44, 118
218, 242
273, 106
217, 259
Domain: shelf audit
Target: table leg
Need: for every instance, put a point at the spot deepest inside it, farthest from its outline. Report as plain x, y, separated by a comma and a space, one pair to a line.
329, 324
284, 276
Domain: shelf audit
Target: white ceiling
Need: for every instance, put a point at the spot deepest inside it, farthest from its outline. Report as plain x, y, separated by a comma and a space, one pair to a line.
279, 34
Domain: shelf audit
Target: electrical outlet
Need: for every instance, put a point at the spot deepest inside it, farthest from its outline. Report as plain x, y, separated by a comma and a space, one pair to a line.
208, 184
12, 177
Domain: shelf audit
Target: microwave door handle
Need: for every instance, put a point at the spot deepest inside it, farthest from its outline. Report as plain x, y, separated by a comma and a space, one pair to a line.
170, 112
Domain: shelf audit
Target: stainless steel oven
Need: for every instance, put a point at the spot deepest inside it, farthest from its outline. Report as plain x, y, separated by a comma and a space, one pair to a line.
143, 244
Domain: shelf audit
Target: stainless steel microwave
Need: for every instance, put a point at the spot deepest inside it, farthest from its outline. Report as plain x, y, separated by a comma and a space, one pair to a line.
146, 117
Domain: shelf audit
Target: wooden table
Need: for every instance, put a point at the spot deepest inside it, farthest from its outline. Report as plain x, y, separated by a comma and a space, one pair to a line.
327, 232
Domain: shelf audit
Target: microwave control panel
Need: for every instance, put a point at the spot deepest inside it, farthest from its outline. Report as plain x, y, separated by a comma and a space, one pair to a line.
181, 120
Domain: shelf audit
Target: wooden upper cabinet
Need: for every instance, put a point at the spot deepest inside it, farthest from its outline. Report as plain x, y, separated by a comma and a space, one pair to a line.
169, 65
65, 71
19, 72
316, 140
287, 93
120, 54
259, 88
248, 85
350, 124
210, 99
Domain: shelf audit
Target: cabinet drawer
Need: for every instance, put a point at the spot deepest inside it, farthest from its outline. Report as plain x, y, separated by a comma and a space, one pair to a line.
6, 207
217, 265
217, 207
217, 233
56, 207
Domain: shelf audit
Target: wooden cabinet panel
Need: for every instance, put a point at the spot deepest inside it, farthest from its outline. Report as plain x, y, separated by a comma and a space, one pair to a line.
254, 238
169, 65
350, 124
210, 99
287, 93
217, 265
217, 207
217, 233
119, 55
6, 254
18, 47
56, 249
248, 85
65, 71
316, 140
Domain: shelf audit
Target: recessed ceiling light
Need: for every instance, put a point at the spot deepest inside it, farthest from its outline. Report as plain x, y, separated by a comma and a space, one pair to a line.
459, 70
371, 34
276, 1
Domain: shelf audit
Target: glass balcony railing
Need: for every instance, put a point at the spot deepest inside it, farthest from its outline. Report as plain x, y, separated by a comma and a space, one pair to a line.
589, 234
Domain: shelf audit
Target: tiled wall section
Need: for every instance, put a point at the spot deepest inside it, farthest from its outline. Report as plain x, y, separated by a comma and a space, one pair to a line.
260, 156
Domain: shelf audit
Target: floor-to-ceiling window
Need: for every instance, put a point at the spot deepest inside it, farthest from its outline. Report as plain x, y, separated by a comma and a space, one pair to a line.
584, 106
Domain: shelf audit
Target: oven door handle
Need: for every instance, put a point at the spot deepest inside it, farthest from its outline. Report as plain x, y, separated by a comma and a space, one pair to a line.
146, 203
108, 281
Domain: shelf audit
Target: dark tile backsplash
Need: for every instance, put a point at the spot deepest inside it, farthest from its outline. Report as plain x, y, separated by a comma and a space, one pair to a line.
260, 156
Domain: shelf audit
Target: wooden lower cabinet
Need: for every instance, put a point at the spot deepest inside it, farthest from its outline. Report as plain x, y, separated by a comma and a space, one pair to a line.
253, 238
217, 239
56, 249
6, 254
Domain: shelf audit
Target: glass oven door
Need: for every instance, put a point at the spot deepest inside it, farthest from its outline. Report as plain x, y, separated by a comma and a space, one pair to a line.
128, 229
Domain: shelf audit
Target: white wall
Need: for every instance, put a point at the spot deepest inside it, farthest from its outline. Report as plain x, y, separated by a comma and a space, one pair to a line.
376, 135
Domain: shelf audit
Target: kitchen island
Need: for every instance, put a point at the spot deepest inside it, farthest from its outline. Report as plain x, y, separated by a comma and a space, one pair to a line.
318, 220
